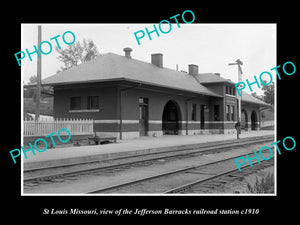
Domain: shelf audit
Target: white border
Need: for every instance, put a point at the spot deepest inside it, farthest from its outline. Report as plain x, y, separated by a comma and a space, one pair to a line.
170, 195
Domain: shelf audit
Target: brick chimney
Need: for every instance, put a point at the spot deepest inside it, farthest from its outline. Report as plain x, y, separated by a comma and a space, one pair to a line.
193, 69
157, 59
127, 52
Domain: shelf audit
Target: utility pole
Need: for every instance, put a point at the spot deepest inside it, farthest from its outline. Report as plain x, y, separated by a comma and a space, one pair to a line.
240, 72
38, 82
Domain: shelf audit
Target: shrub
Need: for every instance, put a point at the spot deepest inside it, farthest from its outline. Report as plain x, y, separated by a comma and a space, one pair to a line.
263, 185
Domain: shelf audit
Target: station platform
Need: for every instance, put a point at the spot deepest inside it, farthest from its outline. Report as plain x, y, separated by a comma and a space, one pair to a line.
124, 148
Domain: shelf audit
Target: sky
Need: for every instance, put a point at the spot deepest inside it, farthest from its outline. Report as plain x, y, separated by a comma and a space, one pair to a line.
210, 46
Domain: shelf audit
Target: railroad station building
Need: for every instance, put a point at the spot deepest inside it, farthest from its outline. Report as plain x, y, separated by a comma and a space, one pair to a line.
128, 98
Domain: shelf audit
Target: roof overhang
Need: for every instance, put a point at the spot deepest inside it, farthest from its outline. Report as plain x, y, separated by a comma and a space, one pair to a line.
260, 105
148, 84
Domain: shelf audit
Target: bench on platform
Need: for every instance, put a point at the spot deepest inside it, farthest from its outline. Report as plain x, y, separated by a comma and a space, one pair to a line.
76, 140
32, 140
97, 139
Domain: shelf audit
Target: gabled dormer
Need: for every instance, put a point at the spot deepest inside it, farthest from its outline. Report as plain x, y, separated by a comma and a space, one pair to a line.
217, 84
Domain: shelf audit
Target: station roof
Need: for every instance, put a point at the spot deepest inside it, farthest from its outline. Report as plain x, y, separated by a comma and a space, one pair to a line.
113, 67
210, 78
207, 78
110, 67
250, 99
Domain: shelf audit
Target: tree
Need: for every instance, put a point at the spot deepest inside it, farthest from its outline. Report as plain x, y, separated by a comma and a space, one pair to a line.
32, 79
269, 93
254, 94
77, 53
30, 92
268, 96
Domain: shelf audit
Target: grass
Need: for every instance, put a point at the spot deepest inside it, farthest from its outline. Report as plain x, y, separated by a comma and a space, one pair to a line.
261, 182
263, 185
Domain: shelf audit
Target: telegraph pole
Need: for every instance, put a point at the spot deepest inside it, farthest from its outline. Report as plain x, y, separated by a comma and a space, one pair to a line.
239, 63
38, 82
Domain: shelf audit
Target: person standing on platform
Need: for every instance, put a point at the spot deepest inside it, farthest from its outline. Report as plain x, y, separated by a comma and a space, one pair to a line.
238, 129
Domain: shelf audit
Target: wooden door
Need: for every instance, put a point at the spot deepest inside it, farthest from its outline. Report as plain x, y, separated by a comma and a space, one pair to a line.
143, 120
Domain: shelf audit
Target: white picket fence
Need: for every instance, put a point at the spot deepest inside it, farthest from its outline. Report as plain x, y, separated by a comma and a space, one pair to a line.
47, 126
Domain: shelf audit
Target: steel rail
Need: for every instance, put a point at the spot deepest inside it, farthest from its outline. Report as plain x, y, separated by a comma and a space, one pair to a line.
230, 143
188, 186
132, 182
174, 153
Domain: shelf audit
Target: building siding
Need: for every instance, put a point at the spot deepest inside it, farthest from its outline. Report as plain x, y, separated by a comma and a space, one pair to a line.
107, 102
107, 118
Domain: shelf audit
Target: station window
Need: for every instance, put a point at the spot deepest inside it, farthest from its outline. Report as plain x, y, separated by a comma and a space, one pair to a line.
217, 112
232, 113
75, 103
194, 112
230, 90
93, 102
226, 89
143, 101
228, 112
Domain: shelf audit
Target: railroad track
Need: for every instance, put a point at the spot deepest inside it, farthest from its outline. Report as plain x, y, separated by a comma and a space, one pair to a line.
160, 183
53, 172
226, 177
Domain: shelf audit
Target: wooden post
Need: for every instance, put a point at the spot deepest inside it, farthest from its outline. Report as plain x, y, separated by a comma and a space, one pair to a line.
38, 83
